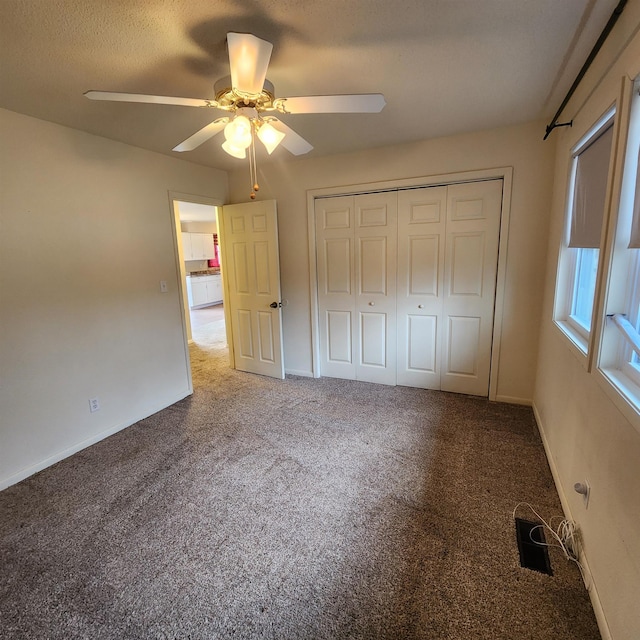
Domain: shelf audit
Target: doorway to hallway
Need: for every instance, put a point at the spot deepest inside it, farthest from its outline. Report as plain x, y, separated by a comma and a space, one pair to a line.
207, 324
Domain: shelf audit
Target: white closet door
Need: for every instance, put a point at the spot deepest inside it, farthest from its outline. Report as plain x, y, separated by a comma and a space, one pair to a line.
356, 260
376, 246
421, 233
406, 285
471, 260
335, 239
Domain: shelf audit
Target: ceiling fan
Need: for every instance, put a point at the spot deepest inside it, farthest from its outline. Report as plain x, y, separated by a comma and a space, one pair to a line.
250, 100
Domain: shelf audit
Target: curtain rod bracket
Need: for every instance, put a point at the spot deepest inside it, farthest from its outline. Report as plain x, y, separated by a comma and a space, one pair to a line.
551, 127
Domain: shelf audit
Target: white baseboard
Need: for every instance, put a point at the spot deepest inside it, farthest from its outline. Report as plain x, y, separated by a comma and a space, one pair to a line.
588, 578
83, 444
513, 400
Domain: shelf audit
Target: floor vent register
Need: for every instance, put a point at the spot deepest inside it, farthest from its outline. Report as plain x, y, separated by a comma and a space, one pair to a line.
530, 540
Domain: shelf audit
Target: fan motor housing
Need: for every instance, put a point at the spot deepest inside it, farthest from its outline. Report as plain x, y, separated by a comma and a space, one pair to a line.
227, 98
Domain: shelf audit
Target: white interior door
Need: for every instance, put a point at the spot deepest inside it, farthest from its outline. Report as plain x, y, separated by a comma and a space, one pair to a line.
249, 234
471, 263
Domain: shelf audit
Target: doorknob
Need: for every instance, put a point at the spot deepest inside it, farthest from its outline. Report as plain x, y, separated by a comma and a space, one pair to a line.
420, 306
275, 305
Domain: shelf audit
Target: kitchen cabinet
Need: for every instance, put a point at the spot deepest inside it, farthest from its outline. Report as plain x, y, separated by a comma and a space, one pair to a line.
198, 246
204, 290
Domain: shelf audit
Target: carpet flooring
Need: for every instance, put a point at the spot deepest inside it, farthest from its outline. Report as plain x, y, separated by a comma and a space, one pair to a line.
296, 509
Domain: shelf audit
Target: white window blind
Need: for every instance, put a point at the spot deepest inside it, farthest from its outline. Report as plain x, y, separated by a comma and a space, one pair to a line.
635, 224
590, 192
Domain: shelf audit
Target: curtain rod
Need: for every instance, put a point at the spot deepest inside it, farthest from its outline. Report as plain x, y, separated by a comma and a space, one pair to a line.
596, 47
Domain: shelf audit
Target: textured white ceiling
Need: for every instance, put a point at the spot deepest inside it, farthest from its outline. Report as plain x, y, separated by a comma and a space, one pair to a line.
444, 66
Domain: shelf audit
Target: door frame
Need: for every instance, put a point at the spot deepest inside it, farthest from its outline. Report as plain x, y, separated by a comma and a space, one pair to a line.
499, 173
176, 232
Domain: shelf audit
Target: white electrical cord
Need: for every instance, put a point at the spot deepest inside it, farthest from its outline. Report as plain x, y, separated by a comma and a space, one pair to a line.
566, 534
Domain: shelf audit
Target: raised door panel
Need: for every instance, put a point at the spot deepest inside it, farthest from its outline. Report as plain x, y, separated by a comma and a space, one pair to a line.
422, 258
422, 342
244, 335
462, 346
337, 276
373, 266
466, 264
373, 337
265, 333
262, 265
421, 237
339, 337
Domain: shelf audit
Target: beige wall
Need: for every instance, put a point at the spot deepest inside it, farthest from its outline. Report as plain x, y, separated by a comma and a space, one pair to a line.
85, 238
520, 147
585, 434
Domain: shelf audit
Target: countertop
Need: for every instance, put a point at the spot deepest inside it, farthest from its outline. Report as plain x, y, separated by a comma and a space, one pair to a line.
214, 271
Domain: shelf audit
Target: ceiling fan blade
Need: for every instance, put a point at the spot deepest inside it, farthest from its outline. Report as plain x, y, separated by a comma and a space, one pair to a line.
357, 103
115, 96
203, 135
249, 58
293, 142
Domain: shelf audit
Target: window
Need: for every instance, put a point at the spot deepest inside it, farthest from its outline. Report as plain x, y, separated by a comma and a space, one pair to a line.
584, 287
619, 358
629, 361
580, 251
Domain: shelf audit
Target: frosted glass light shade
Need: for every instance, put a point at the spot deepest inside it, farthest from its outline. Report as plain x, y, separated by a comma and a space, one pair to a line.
236, 152
238, 132
270, 137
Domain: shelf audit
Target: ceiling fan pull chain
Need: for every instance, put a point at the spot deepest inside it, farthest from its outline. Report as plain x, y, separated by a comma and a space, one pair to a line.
253, 170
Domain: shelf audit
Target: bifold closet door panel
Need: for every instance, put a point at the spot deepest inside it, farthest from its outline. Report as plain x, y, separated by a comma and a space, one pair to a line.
471, 262
375, 253
421, 235
335, 240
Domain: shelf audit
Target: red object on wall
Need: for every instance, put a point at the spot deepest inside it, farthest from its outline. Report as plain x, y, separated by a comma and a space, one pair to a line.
215, 262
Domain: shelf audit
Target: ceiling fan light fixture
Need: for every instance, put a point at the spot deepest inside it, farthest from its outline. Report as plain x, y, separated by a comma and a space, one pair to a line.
270, 137
236, 152
238, 132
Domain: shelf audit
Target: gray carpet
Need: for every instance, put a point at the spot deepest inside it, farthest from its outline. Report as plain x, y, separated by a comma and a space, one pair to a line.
304, 509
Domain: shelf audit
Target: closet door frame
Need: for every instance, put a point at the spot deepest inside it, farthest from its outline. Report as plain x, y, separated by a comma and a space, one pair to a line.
503, 173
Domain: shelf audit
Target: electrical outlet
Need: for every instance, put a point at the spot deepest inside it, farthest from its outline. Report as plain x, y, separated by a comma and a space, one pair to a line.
163, 286
94, 405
